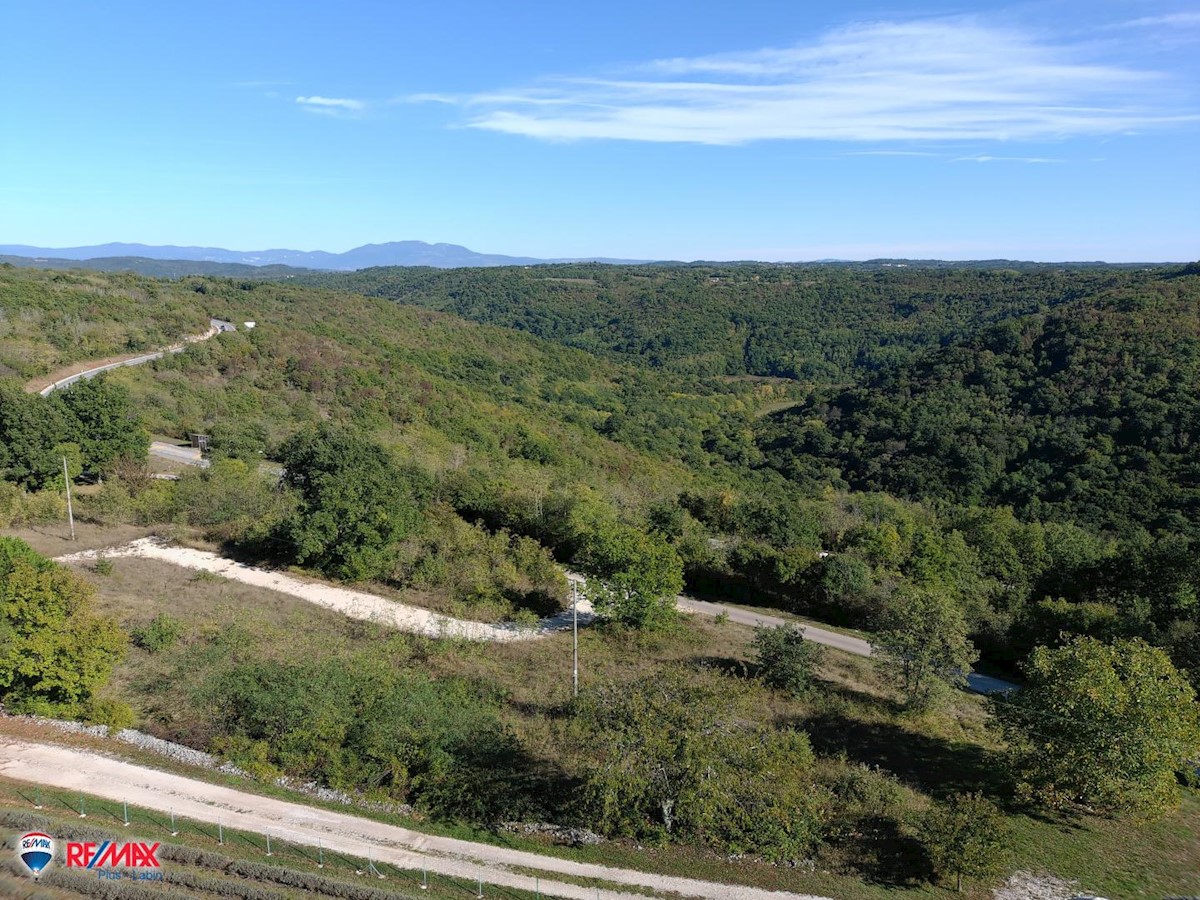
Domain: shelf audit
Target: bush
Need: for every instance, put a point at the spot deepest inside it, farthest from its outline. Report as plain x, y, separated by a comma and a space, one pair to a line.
17, 507
159, 634
230, 499
510, 574
668, 759
104, 711
786, 661
360, 724
54, 649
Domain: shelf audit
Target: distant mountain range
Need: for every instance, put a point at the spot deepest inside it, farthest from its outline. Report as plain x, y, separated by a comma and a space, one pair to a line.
395, 253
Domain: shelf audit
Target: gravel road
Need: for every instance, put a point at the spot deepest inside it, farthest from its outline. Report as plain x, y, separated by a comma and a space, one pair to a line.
392, 613
352, 603
73, 769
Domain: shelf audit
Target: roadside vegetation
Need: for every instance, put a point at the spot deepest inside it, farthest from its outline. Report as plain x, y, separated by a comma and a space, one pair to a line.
457, 465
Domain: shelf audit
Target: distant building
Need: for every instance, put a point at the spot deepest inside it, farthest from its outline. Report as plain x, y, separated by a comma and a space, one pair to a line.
249, 324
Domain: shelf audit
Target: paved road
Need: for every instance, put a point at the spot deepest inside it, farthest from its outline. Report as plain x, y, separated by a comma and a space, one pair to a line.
216, 326
189, 456
979, 684
73, 769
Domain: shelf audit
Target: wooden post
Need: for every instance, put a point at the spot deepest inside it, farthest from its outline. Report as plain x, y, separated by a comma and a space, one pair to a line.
70, 510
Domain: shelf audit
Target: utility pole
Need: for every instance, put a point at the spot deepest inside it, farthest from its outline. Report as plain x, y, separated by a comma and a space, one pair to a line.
70, 510
575, 637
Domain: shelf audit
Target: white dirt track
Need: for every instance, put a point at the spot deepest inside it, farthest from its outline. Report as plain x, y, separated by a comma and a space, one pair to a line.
73, 769
351, 603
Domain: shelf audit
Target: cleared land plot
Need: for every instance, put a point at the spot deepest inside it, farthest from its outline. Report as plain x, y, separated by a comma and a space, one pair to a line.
78, 770
353, 603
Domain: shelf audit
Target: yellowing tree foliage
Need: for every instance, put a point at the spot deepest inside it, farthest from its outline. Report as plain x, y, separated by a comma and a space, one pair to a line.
54, 649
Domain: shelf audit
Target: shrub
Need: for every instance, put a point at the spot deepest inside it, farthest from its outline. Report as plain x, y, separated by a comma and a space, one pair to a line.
159, 634
786, 661
360, 724
105, 711
44, 507
18, 507
668, 758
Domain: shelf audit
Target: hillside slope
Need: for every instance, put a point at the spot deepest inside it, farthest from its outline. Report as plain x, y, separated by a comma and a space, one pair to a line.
823, 324
1086, 414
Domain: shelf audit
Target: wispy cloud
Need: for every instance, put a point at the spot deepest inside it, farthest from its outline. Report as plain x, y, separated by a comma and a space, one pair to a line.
331, 106
984, 158
890, 153
933, 80
1172, 20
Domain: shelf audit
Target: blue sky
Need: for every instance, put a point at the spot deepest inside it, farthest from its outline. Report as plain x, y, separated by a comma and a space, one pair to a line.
1055, 130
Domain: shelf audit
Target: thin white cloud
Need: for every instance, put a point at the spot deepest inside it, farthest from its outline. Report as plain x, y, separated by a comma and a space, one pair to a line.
890, 153
331, 105
933, 80
984, 158
1172, 20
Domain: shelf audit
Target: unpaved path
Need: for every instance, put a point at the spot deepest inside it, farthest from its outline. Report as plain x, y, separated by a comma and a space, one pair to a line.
73, 769
66, 377
373, 608
352, 603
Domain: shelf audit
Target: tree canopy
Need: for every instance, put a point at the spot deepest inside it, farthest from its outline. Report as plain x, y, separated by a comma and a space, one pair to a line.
55, 650
1101, 725
354, 503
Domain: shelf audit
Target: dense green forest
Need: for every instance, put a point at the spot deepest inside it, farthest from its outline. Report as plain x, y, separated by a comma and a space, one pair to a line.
1087, 414
991, 467
821, 324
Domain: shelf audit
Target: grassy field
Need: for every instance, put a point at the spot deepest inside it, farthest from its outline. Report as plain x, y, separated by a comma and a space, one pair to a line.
853, 719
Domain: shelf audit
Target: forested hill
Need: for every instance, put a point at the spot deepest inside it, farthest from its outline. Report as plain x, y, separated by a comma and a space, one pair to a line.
1089, 413
820, 323
52, 319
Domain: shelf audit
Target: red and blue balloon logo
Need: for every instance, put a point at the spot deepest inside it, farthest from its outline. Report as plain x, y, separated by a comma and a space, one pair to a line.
35, 850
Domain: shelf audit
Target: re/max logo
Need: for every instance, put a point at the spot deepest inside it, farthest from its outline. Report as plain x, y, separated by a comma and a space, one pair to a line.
110, 854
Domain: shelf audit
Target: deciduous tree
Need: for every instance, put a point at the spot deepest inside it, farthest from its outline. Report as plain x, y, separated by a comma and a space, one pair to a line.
964, 836
1105, 726
355, 503
924, 643
55, 650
